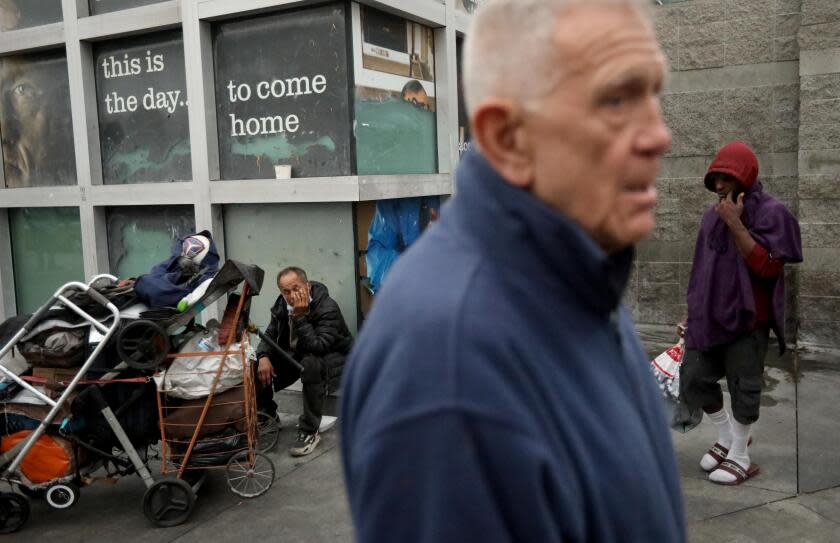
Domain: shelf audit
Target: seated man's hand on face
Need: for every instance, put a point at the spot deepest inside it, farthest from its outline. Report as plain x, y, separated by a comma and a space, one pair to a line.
295, 290
300, 302
265, 371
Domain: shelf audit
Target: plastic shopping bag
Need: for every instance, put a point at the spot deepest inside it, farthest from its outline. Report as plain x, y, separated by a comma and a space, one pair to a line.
666, 371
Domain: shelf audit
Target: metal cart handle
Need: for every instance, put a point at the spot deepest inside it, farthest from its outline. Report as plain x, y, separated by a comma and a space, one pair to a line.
283, 354
108, 331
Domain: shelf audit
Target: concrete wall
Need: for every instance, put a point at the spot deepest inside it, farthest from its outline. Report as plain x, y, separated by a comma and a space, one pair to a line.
734, 75
318, 237
819, 174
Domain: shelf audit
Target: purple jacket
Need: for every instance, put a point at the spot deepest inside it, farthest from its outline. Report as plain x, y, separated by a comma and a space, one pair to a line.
721, 306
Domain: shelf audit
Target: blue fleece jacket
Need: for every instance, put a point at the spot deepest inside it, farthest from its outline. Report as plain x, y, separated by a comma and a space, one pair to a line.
498, 391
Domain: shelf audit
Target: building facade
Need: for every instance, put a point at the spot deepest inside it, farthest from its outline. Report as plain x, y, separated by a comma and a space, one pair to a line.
296, 131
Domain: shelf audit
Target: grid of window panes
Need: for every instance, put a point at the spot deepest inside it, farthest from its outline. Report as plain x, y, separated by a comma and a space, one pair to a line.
313, 90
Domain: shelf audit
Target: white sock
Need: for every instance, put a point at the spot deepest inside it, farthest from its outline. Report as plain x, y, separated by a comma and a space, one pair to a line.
738, 452
724, 428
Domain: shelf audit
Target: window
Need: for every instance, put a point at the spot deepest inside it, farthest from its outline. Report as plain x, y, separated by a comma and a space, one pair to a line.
104, 6
315, 237
46, 253
35, 121
391, 227
282, 93
143, 109
464, 137
17, 14
141, 236
468, 6
396, 124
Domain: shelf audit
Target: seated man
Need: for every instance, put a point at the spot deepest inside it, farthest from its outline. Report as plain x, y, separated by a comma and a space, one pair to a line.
307, 324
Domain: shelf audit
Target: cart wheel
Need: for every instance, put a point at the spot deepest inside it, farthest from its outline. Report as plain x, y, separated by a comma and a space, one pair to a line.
143, 345
250, 479
62, 496
268, 431
14, 512
169, 502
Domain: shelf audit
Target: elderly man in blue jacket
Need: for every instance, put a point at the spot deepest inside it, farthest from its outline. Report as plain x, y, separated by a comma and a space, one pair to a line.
498, 391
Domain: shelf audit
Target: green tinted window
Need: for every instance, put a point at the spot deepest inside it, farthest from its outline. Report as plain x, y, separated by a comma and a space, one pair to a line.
46, 253
140, 237
315, 237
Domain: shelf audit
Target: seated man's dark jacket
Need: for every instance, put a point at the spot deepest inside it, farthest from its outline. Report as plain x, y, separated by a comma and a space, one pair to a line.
498, 391
320, 332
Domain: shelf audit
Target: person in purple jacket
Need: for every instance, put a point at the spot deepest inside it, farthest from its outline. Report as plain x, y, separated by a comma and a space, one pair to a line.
736, 295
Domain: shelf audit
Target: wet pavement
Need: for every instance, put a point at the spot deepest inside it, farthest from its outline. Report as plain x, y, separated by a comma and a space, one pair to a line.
795, 498
306, 504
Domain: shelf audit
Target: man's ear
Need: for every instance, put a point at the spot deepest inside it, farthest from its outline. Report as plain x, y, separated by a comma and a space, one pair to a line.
498, 128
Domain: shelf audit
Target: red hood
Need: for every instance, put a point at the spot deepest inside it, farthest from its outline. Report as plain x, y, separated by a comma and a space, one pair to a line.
735, 159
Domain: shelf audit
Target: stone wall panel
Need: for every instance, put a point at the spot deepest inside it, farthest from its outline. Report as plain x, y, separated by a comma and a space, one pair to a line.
695, 120
788, 6
818, 307
748, 41
785, 49
739, 9
820, 11
749, 117
818, 283
819, 186
701, 46
819, 36
820, 136
820, 87
821, 235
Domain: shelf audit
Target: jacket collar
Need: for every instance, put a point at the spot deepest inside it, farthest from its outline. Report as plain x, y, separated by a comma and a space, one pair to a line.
524, 233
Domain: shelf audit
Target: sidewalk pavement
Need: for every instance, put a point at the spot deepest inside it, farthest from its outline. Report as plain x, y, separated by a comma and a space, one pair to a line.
307, 502
766, 508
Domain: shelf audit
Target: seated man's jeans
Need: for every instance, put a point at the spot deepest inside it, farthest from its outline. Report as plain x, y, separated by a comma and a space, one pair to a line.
317, 371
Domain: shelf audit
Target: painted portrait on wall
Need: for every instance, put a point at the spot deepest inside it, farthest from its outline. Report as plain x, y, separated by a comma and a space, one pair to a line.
35, 121
396, 122
18, 14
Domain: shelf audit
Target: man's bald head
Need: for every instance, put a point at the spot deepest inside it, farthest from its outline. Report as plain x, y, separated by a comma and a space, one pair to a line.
512, 48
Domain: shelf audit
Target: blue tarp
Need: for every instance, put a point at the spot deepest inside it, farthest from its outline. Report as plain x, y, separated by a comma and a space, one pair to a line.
395, 226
